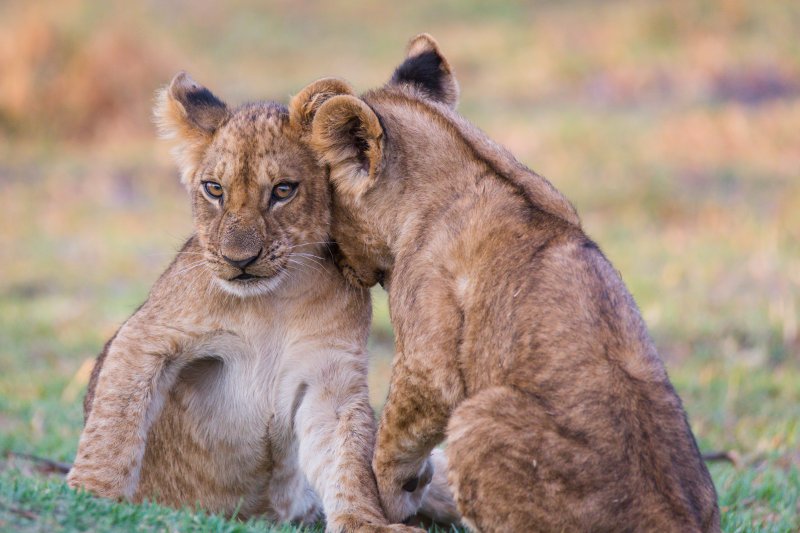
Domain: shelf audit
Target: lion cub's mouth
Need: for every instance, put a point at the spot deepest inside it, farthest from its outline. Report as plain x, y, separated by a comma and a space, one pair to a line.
244, 276
265, 279
246, 284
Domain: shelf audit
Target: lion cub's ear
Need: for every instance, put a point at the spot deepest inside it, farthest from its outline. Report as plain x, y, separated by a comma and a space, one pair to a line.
304, 105
426, 69
190, 114
347, 135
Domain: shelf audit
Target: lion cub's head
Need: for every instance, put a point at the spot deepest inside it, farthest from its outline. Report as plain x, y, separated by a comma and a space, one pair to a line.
260, 201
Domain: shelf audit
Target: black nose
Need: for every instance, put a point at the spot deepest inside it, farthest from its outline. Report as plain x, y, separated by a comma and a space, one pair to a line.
242, 263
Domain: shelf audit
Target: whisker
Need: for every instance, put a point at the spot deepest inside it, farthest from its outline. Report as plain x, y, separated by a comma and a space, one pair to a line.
304, 264
190, 288
306, 254
315, 258
188, 268
303, 269
326, 243
308, 244
307, 265
290, 270
309, 256
173, 253
192, 265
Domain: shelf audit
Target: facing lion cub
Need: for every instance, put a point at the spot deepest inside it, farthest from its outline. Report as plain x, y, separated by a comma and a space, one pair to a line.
241, 383
516, 338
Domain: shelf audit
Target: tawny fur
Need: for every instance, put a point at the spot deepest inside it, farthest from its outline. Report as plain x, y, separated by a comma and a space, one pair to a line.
247, 395
516, 338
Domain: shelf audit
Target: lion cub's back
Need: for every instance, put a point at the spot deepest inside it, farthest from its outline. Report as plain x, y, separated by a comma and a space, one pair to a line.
543, 283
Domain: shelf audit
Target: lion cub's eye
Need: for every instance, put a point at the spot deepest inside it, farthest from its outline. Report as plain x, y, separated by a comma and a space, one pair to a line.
282, 191
213, 189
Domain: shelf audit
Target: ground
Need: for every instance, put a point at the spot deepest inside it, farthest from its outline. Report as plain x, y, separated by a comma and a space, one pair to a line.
671, 126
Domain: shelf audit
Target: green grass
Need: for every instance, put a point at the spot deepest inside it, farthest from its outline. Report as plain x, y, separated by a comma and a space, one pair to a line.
763, 498
672, 126
40, 504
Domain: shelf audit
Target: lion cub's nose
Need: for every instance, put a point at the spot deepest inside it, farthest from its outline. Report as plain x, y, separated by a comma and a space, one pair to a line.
242, 263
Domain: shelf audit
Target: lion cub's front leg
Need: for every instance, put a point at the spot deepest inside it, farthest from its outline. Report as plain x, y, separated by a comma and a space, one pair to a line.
336, 431
138, 369
425, 388
408, 432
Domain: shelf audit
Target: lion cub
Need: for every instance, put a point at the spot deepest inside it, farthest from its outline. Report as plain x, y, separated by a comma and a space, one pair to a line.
241, 383
516, 338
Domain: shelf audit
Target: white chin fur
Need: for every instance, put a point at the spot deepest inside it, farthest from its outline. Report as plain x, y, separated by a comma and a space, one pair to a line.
251, 288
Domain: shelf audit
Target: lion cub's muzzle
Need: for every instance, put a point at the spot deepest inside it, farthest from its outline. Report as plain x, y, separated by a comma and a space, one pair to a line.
251, 263
242, 265
244, 262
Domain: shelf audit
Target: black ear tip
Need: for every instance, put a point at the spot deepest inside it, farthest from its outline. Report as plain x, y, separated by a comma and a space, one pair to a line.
187, 91
183, 86
426, 70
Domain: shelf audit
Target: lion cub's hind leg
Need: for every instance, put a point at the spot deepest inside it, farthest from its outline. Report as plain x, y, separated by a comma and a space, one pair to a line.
513, 469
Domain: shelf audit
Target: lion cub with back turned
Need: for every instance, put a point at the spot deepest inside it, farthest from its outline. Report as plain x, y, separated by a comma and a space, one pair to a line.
241, 383
516, 338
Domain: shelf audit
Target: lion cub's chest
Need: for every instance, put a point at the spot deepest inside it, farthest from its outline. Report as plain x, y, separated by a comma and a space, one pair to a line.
213, 440
227, 392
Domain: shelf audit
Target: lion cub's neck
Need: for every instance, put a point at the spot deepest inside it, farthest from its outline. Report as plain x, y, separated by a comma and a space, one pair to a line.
436, 176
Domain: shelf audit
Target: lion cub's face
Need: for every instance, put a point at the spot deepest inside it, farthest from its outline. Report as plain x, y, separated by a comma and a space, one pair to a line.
259, 200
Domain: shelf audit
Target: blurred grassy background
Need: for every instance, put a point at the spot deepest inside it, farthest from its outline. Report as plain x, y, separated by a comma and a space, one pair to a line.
674, 127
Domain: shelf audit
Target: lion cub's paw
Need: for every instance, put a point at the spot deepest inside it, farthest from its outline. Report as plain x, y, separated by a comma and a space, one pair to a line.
400, 528
391, 528
94, 485
351, 524
402, 492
